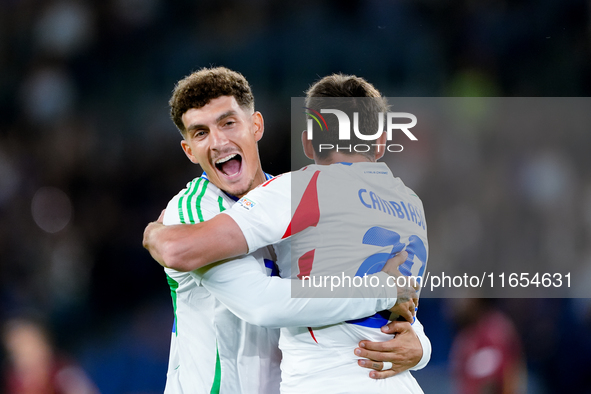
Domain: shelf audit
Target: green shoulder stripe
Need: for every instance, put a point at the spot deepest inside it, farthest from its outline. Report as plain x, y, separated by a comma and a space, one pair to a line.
194, 212
191, 189
190, 197
199, 198
217, 378
173, 284
221, 204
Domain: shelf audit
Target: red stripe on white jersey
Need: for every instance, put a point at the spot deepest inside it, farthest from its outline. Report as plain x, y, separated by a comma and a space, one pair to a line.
312, 333
307, 213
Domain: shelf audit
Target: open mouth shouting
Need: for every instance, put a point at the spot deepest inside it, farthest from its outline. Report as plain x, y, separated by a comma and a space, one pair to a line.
230, 165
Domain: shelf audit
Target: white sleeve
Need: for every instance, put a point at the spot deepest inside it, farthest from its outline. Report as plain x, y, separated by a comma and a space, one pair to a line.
264, 213
425, 343
247, 291
171, 215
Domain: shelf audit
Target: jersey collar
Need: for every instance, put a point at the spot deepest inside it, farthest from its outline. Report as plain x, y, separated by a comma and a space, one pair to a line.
204, 176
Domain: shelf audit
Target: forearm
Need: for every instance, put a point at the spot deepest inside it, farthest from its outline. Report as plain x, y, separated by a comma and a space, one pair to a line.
186, 247
425, 343
267, 301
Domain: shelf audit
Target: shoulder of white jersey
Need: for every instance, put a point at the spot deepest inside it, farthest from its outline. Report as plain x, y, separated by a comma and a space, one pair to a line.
413, 195
281, 179
416, 200
200, 200
302, 177
275, 188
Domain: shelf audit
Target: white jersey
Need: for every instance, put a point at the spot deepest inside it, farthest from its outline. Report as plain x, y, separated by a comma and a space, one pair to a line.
358, 214
212, 350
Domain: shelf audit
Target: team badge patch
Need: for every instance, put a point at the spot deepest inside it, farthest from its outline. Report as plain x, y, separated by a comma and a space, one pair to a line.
246, 203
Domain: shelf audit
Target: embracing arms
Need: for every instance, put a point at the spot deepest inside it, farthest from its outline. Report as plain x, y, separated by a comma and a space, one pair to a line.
186, 247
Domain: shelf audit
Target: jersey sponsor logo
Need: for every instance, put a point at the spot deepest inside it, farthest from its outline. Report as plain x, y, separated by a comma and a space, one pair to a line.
246, 203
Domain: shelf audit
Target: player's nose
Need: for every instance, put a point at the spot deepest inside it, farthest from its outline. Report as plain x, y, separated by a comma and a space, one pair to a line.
218, 138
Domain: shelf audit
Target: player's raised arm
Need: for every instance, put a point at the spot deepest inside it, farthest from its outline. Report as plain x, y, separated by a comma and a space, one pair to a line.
250, 294
186, 247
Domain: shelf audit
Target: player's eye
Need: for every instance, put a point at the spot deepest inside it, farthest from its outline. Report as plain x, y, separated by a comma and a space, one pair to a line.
199, 133
229, 123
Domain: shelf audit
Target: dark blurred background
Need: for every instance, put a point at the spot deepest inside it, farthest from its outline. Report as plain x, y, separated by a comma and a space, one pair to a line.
88, 156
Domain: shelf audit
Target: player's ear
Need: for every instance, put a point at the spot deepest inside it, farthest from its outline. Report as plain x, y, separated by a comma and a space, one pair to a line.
259, 125
188, 151
381, 145
307, 144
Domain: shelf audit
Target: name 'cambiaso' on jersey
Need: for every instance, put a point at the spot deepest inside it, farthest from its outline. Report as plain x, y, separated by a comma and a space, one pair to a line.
342, 219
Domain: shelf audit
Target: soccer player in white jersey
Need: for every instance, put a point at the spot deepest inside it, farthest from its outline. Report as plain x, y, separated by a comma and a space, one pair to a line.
395, 221
206, 337
212, 350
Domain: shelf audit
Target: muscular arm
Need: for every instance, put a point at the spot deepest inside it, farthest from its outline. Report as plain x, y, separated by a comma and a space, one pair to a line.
243, 287
186, 247
267, 301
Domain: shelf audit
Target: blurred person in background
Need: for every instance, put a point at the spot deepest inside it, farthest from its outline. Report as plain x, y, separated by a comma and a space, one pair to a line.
35, 366
486, 355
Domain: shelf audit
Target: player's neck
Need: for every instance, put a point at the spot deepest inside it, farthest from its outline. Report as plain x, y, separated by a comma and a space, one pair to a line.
258, 179
338, 157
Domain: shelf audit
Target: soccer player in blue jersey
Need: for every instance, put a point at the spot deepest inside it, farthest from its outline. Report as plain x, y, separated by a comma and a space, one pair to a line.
213, 350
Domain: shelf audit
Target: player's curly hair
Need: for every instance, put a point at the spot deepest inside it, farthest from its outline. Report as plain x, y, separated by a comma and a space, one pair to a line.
199, 88
341, 91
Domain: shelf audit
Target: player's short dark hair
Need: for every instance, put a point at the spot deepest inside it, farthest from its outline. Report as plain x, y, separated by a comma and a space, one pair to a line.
322, 94
199, 88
